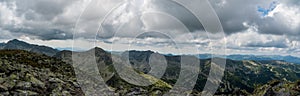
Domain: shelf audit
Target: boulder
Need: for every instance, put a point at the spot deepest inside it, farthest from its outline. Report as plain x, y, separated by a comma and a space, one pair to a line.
25, 93
34, 81
23, 85
55, 80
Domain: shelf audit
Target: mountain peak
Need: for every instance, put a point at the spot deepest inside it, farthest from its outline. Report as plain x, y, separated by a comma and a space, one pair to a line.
18, 44
97, 49
15, 40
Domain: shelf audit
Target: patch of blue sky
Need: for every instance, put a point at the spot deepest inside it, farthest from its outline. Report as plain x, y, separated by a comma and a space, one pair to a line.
266, 11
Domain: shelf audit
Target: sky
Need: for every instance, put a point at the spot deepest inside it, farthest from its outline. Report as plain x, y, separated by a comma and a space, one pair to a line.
261, 27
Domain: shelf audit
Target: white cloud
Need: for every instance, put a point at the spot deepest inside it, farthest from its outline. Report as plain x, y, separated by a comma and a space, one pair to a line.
252, 42
289, 14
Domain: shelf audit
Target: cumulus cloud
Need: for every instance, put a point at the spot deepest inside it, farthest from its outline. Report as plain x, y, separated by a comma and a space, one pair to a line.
251, 41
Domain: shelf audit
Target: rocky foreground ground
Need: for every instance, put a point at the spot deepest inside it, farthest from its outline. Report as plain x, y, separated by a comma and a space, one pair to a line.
27, 74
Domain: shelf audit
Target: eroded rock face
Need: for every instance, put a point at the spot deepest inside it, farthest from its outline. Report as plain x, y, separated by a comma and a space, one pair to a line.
24, 73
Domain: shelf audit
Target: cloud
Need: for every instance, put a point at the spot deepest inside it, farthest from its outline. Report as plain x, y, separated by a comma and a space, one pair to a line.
62, 15
274, 26
37, 19
278, 17
252, 42
137, 16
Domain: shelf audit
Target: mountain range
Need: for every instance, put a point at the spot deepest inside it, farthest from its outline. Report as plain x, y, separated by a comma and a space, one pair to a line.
290, 59
18, 44
241, 76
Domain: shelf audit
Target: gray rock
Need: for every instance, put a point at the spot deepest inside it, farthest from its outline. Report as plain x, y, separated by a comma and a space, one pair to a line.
9, 84
34, 81
2, 75
3, 88
4, 93
26, 93
1, 80
76, 84
66, 93
55, 80
157, 92
23, 85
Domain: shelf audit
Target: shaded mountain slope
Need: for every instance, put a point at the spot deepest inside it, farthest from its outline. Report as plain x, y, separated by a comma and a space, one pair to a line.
20, 45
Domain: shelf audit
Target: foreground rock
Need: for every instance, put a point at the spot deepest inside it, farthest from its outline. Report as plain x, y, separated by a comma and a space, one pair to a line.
24, 73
